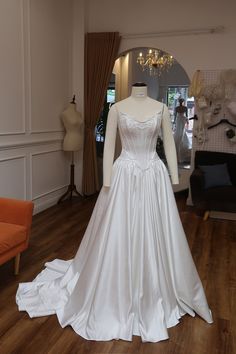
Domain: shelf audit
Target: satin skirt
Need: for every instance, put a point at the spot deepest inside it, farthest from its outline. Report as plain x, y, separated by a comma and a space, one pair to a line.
133, 273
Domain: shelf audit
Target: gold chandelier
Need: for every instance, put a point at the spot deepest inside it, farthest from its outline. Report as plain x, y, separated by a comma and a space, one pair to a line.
155, 62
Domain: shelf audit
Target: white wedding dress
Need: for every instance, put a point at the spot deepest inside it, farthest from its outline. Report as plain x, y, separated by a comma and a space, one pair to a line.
133, 273
182, 141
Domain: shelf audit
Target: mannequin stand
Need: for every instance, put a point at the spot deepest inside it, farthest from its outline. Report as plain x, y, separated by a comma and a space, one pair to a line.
72, 187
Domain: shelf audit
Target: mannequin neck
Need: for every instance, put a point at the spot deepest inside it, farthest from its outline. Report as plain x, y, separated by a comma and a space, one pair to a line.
139, 92
72, 106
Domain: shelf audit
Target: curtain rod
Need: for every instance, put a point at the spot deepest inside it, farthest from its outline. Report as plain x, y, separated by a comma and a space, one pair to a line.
197, 31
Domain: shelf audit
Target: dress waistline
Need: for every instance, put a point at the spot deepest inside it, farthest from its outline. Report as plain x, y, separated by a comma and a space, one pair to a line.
142, 163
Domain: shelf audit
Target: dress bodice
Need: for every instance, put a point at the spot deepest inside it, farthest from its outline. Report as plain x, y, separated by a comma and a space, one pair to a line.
138, 138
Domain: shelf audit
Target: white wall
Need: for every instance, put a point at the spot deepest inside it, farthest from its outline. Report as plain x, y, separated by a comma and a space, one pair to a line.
192, 52
123, 76
79, 22
35, 86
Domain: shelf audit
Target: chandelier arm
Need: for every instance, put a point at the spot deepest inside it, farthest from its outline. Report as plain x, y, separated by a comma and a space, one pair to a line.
155, 61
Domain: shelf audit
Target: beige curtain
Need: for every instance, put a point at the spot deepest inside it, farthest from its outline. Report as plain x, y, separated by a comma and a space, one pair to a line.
101, 50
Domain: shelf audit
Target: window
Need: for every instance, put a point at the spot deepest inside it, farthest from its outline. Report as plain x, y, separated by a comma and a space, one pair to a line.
111, 96
100, 129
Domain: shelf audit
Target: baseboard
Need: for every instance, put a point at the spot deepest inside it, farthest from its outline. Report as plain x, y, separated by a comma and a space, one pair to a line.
48, 200
222, 215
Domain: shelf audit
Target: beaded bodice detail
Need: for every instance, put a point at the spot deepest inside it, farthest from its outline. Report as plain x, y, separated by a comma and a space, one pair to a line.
139, 138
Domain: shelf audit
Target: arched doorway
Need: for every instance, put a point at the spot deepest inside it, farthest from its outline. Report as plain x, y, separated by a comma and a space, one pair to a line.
167, 87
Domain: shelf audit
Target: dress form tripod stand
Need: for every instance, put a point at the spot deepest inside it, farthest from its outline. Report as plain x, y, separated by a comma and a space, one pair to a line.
72, 187
72, 121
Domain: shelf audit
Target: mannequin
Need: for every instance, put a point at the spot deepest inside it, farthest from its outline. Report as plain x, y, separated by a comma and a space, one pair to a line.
72, 121
181, 109
182, 142
133, 273
140, 106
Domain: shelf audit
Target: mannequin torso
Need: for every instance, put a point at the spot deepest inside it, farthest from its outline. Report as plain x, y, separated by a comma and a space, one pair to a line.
141, 108
72, 121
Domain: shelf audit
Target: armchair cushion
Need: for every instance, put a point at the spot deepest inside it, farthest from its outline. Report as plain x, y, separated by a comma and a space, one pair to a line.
222, 195
11, 235
15, 211
215, 175
15, 223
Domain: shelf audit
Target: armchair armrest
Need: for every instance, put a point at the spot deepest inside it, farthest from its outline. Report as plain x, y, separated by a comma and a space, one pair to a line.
17, 212
197, 185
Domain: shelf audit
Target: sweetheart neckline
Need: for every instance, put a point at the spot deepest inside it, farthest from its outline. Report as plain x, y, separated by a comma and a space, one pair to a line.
131, 117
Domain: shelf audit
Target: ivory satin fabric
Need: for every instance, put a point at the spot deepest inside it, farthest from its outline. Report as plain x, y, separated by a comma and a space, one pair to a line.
133, 273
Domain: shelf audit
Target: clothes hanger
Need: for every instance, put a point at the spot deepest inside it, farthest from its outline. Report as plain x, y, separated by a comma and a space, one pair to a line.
195, 117
222, 121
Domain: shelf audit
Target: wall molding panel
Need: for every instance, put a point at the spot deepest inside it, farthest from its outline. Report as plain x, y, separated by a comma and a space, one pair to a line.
49, 192
47, 131
51, 30
47, 200
52, 180
30, 142
35, 86
14, 168
12, 77
27, 62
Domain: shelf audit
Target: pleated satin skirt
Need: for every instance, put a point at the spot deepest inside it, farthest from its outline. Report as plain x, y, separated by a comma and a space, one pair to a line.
133, 273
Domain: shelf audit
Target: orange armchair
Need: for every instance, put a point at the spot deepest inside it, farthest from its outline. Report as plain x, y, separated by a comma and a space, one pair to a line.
15, 224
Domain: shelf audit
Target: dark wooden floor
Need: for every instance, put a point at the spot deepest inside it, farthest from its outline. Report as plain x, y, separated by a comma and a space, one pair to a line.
57, 232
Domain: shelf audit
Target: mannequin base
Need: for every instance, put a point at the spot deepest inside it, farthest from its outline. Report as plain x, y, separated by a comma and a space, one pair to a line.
72, 187
69, 193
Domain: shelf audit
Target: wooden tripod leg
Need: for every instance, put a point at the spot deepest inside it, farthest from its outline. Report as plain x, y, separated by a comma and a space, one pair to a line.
17, 263
206, 215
